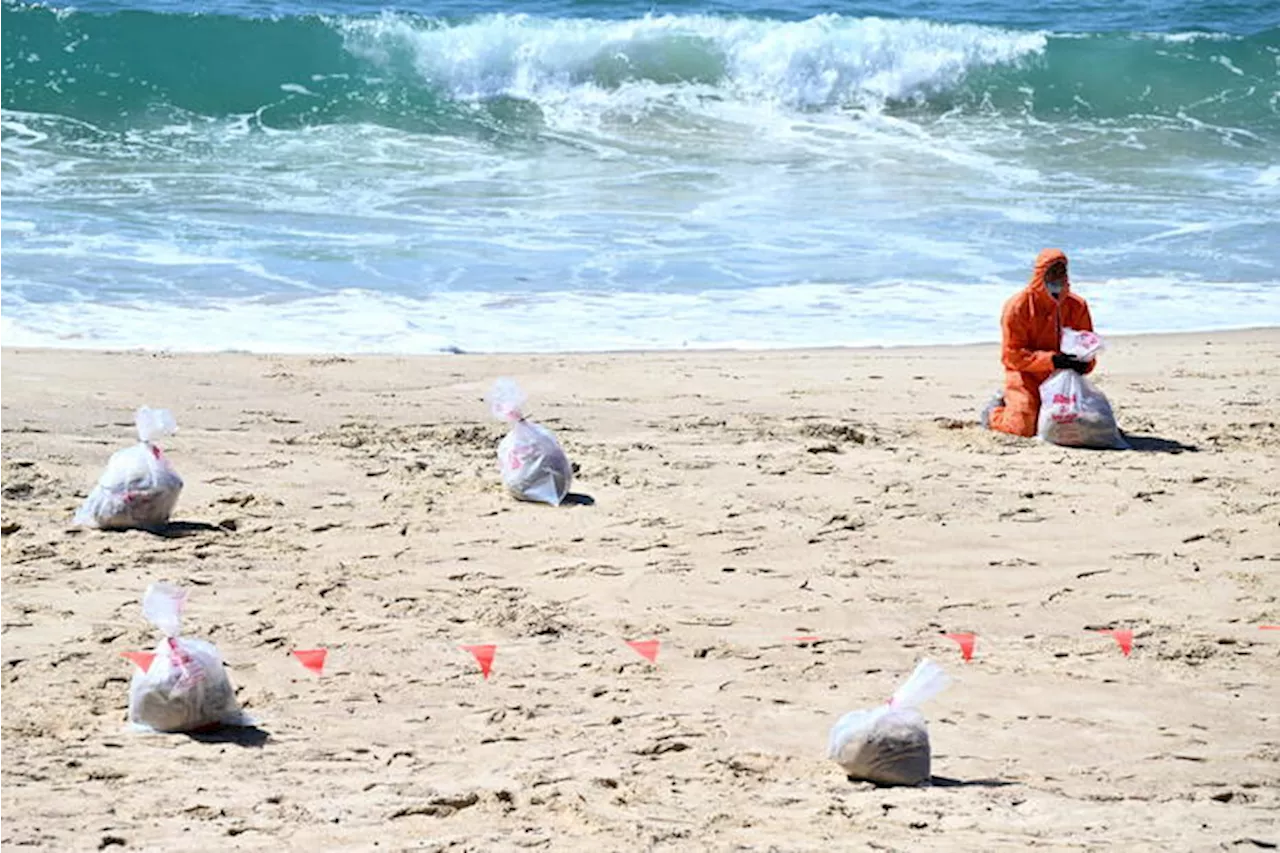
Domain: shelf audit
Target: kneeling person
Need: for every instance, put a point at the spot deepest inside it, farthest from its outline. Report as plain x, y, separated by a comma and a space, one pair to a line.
1031, 332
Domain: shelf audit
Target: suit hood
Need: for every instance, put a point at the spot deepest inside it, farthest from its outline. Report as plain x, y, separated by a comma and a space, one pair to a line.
1044, 260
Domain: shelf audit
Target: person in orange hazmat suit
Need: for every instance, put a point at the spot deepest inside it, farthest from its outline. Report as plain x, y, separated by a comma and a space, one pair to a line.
1031, 331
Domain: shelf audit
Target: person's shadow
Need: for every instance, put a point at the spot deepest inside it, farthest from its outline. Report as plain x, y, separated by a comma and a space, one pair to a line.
1155, 444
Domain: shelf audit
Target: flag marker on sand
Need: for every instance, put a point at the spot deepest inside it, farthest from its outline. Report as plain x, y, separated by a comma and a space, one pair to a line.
142, 660
312, 659
647, 649
965, 642
484, 656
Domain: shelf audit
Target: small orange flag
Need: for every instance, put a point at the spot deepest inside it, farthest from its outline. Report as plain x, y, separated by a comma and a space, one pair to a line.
965, 642
1123, 638
312, 659
142, 660
484, 657
645, 648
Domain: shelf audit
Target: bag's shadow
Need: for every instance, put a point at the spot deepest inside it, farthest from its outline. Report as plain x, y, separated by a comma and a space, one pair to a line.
947, 782
172, 530
578, 499
944, 782
246, 736
180, 529
1155, 444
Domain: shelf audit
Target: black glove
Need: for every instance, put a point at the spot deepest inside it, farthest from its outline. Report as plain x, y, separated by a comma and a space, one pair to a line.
1062, 361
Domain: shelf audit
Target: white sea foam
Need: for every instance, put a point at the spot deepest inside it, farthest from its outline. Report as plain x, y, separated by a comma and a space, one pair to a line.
887, 313
824, 61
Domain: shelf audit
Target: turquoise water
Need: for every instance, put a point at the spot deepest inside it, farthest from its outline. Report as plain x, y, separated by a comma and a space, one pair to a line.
594, 175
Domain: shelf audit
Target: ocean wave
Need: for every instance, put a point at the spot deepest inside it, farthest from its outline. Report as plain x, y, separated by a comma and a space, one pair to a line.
826, 61
514, 73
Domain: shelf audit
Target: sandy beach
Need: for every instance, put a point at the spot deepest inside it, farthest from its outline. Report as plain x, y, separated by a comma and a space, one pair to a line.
727, 503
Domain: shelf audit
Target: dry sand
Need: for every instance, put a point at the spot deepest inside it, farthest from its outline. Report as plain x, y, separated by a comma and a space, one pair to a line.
739, 499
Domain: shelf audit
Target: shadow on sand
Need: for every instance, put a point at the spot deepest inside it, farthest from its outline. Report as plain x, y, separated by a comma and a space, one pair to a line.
246, 736
1154, 444
179, 529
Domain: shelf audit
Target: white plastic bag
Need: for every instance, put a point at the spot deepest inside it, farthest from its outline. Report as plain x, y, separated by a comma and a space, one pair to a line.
889, 745
139, 488
533, 465
1079, 344
186, 687
1073, 412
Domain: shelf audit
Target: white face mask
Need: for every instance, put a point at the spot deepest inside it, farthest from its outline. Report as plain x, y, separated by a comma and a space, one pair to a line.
1055, 288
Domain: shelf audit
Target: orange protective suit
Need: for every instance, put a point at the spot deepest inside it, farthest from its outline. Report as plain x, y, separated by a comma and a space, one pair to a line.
1031, 329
